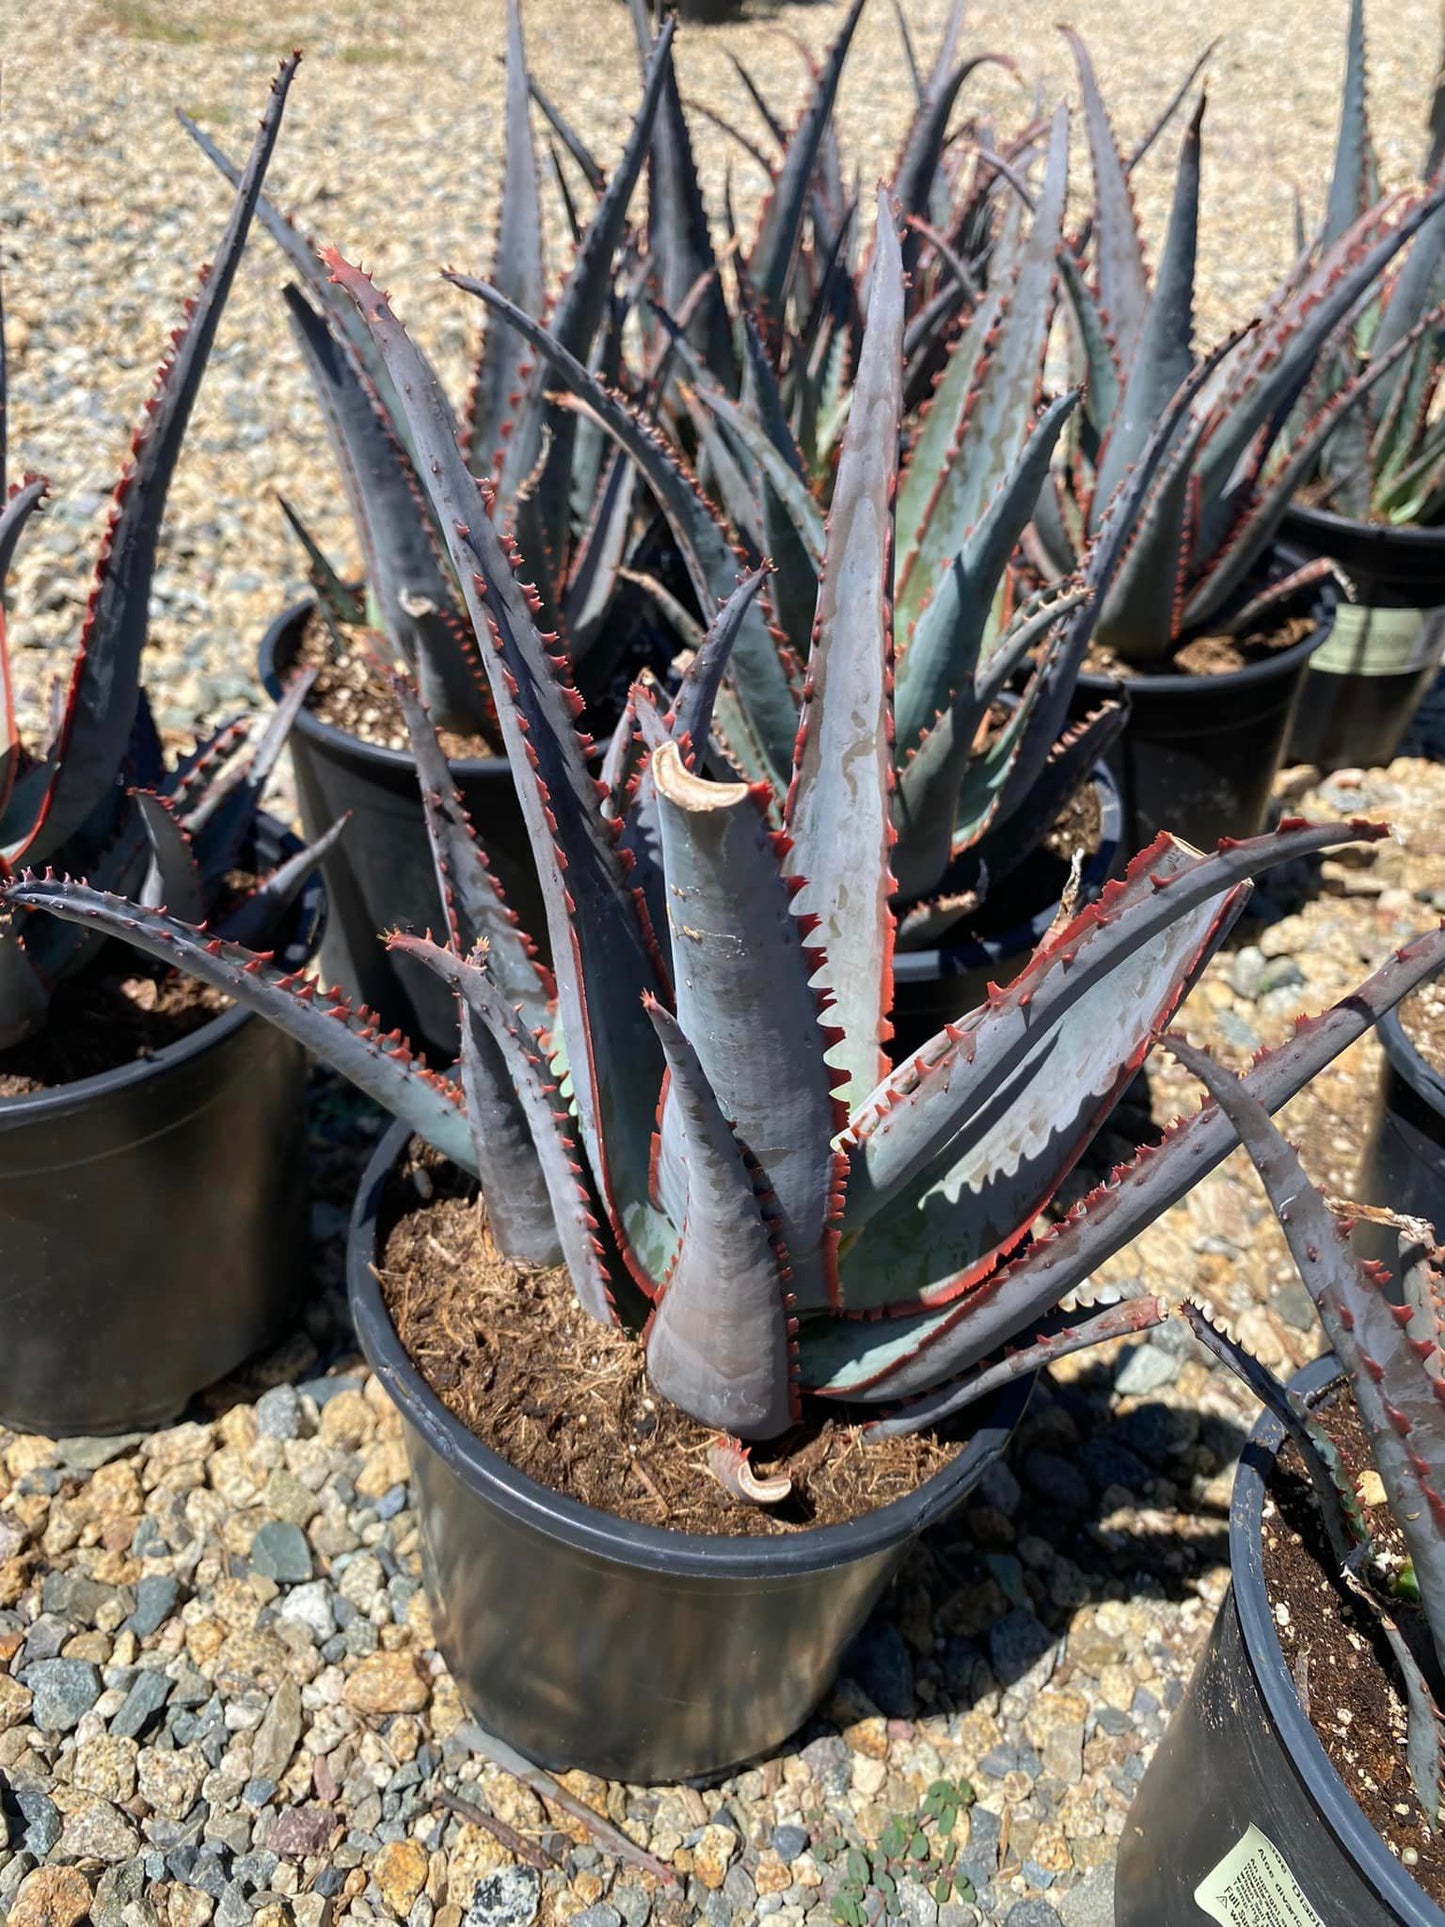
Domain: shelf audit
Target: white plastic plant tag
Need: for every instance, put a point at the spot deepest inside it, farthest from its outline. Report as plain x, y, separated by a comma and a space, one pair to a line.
1252, 1886
1381, 642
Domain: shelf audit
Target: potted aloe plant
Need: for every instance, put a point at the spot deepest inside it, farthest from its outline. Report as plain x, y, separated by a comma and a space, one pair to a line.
737, 1183
1373, 500
349, 749
1301, 1776
151, 1138
1208, 624
1000, 788
997, 790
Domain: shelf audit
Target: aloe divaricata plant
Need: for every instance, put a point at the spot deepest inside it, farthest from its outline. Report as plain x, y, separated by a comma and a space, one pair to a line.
97, 799
972, 787
1205, 531
1391, 1354
736, 1147
537, 457
1386, 459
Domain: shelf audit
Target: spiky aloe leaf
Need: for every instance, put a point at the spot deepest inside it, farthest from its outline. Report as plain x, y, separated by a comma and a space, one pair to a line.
1353, 184
1399, 1401
338, 599
770, 265
938, 660
908, 1355
592, 581
257, 917
472, 899
173, 879
1271, 498
599, 945
1274, 362
1123, 282
104, 686
914, 177
1098, 357
587, 164
347, 1040
742, 968
767, 702
502, 368
678, 237
778, 465
217, 796
582, 303
301, 252
22, 503
951, 1222
689, 719
523, 1138
949, 1093
997, 414
839, 802
1165, 352
1339, 1503
719, 1345
416, 601
1097, 1328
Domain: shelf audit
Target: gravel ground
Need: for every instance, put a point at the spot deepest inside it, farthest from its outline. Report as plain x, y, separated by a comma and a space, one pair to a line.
219, 1694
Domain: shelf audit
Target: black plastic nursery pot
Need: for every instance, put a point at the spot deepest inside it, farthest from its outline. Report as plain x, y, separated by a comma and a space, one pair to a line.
1403, 1164
934, 987
633, 1652
379, 876
156, 1221
1198, 755
1367, 680
1241, 1818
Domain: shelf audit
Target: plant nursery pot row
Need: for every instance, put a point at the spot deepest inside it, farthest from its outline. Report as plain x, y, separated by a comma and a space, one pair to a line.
156, 1227
635, 1652
1241, 1817
1367, 680
1198, 755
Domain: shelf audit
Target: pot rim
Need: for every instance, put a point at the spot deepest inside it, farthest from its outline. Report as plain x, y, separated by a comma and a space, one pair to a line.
1274, 668
341, 742
1416, 538
1427, 1084
950, 960
1340, 1811
623, 1541
308, 922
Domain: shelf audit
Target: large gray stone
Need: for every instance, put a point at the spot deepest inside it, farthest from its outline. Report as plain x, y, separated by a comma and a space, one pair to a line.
64, 1690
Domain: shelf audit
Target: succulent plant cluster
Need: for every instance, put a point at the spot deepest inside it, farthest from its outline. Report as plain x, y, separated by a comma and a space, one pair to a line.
1385, 461
1204, 531
97, 798
696, 1113
1391, 1354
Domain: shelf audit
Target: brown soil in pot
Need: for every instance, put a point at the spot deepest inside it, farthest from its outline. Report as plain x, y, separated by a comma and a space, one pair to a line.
118, 1010
1212, 655
567, 1401
351, 693
1332, 1645
1422, 1018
